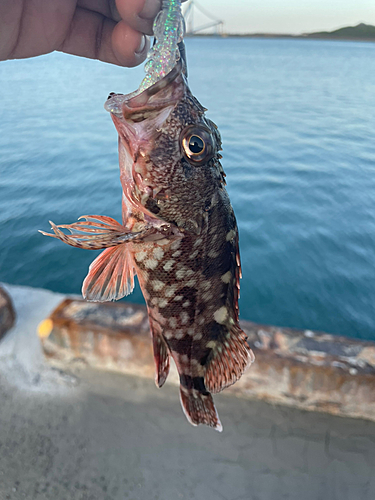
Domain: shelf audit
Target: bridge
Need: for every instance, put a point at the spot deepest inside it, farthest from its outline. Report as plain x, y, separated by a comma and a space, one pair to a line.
193, 9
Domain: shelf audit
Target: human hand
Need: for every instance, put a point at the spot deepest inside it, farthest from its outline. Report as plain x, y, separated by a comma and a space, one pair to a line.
109, 30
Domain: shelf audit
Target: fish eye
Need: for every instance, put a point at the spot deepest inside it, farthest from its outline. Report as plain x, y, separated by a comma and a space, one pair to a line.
197, 144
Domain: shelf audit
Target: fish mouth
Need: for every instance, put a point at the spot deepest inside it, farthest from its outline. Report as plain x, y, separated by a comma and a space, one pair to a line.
139, 119
152, 105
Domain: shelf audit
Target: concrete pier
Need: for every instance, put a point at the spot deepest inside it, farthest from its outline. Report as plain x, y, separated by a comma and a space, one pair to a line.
86, 434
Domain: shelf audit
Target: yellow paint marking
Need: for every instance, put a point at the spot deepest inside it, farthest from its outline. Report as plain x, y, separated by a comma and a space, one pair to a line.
45, 328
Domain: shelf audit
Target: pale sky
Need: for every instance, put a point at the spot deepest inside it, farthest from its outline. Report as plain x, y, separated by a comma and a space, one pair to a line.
287, 16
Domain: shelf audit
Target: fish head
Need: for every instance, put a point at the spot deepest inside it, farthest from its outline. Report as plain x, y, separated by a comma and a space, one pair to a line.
169, 151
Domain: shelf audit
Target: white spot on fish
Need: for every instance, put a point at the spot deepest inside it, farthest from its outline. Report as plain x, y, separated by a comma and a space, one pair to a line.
213, 254
191, 282
184, 317
179, 334
157, 285
186, 304
139, 256
211, 344
170, 290
168, 334
163, 303
178, 298
184, 358
172, 322
230, 235
158, 253
194, 254
221, 315
151, 263
207, 296
176, 244
168, 265
205, 285
226, 277
176, 254
197, 336
190, 331
201, 320
198, 242
180, 273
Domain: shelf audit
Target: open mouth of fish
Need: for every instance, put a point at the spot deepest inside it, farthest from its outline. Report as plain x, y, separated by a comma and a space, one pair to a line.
137, 117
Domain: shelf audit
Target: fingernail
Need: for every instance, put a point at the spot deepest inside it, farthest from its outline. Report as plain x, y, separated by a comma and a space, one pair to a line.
142, 45
150, 9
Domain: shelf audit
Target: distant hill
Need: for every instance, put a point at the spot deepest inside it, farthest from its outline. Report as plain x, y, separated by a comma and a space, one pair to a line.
361, 31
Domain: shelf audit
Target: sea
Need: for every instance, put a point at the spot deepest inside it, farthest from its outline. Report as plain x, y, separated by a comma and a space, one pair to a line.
297, 119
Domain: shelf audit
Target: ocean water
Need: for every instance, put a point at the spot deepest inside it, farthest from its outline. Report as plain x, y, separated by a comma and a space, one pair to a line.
297, 119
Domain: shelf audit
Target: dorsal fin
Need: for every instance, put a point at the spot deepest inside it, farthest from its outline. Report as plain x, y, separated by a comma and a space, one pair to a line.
227, 363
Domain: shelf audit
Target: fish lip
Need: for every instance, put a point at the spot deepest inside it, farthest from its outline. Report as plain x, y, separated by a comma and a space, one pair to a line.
166, 92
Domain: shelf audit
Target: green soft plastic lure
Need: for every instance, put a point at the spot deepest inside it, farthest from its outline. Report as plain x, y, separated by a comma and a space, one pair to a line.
168, 31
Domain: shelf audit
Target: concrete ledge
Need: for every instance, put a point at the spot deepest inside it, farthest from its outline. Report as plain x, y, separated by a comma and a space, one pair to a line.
303, 369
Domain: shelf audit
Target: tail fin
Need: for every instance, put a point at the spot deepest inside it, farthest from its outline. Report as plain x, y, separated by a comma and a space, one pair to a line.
199, 408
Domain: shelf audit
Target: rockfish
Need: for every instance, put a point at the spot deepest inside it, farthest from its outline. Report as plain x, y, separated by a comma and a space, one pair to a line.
178, 235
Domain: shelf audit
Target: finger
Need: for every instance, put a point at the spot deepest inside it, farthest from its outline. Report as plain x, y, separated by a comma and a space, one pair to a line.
94, 36
106, 7
124, 36
139, 14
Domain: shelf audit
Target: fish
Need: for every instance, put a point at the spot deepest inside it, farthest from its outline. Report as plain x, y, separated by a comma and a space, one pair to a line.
178, 235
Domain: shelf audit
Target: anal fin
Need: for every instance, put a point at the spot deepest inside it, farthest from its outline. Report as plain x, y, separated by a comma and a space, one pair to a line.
161, 356
227, 363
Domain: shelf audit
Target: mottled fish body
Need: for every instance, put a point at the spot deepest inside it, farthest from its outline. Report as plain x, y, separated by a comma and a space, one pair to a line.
179, 235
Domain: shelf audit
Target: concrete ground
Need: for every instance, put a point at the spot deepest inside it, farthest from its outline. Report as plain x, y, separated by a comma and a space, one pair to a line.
91, 435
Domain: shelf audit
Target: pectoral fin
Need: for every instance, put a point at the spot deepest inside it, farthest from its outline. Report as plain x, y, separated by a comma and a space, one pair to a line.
111, 275
98, 231
93, 233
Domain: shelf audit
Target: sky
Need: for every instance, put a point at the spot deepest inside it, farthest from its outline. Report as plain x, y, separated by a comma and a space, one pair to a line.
287, 16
